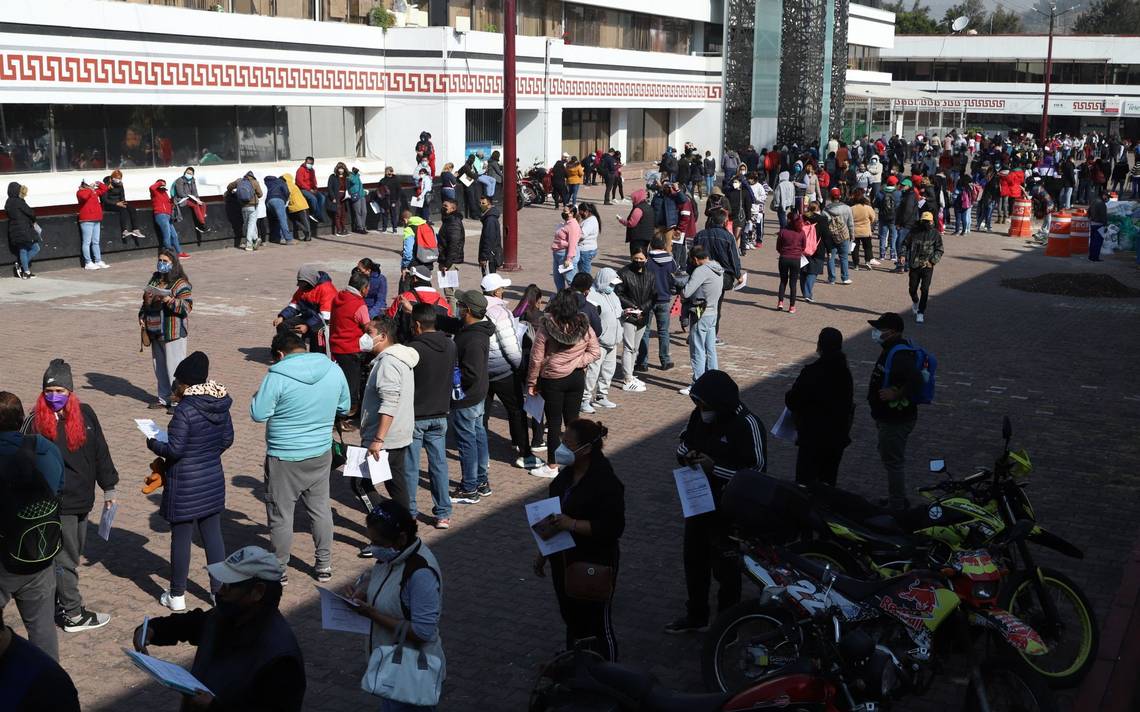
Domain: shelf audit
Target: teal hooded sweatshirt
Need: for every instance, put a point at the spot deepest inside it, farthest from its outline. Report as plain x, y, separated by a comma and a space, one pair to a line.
298, 400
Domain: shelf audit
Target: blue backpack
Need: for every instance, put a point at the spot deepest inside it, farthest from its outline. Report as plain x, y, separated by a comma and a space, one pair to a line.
244, 191
927, 366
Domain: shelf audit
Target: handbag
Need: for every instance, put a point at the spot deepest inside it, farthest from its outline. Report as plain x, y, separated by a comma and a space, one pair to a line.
400, 673
589, 582
339, 452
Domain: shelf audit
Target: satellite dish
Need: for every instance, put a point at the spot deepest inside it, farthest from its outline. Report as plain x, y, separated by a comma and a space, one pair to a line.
960, 23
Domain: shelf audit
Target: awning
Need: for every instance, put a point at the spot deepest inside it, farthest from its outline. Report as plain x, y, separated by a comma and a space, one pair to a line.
879, 91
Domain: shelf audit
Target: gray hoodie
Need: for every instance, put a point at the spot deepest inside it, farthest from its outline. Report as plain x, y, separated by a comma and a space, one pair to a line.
609, 307
707, 283
391, 391
785, 197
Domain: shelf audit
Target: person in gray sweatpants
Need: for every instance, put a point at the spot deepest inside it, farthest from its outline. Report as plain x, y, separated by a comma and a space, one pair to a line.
305, 481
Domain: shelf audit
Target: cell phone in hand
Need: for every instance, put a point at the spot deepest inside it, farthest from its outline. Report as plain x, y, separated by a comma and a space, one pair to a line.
545, 527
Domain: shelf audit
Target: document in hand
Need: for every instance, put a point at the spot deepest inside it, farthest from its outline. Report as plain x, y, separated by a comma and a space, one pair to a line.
169, 674
564, 268
534, 406
743, 283
158, 292
450, 278
785, 427
337, 613
106, 520
536, 512
358, 463
694, 491
150, 429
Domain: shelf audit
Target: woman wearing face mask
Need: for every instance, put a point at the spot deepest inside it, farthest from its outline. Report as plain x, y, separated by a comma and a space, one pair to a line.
591, 231
163, 208
75, 430
338, 197
593, 511
564, 249
167, 302
402, 593
185, 193
194, 488
115, 199
822, 402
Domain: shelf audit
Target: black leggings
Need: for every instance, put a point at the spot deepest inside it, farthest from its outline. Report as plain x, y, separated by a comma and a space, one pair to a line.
585, 620
127, 218
865, 242
563, 398
509, 391
789, 276
350, 365
210, 532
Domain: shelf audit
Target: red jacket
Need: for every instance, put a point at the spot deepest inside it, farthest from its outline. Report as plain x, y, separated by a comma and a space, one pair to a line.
427, 295
160, 199
687, 220
1008, 184
90, 207
306, 178
349, 316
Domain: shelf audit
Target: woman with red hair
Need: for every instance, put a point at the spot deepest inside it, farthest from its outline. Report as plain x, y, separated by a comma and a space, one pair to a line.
59, 417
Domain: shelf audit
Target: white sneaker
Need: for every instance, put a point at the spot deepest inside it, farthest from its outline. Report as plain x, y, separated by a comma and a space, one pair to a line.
174, 603
634, 386
914, 308
874, 263
528, 463
684, 391
546, 471
919, 318
605, 402
102, 265
587, 408
846, 281
90, 265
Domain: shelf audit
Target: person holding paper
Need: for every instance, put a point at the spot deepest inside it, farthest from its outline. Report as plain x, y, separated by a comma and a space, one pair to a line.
721, 437
73, 426
564, 249
637, 292
822, 401
194, 491
347, 322
432, 406
247, 654
593, 511
472, 345
30, 678
451, 237
505, 370
167, 302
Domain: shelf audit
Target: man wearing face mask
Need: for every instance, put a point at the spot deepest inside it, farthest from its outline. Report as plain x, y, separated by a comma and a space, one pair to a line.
468, 393
347, 321
74, 428
923, 247
247, 655
721, 437
306, 179
892, 405
637, 292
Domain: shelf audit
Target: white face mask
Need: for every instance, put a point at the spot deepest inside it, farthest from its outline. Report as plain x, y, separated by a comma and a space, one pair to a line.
876, 336
366, 343
708, 415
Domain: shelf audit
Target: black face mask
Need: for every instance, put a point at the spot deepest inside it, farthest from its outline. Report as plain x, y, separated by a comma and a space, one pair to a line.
637, 266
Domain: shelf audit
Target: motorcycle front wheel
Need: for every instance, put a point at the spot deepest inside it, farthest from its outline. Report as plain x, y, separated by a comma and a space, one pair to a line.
1009, 688
526, 196
747, 642
1073, 638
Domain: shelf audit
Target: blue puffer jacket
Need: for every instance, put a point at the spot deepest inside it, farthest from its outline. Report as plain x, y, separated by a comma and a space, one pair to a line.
199, 432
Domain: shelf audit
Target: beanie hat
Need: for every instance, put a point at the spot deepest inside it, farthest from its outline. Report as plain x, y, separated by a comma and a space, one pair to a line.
58, 373
194, 369
892, 180
835, 192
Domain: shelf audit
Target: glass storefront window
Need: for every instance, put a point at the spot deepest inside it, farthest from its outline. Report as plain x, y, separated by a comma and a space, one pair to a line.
487, 15
294, 133
328, 131
256, 134
79, 141
129, 141
598, 27
25, 138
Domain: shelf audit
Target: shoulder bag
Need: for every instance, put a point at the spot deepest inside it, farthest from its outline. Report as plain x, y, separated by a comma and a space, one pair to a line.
401, 673
587, 581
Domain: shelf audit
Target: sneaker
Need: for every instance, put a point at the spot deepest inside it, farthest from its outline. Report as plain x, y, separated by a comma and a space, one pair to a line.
920, 318
541, 447
846, 281
634, 386
528, 463
641, 368
365, 552
464, 497
875, 263
314, 219
183, 256
157, 405
780, 305
102, 265
914, 308
791, 310
324, 575
667, 365
809, 300
720, 341
605, 403
684, 391
442, 523
89, 620
138, 233
17, 271
684, 624
586, 408
29, 275
174, 603
545, 471
90, 265
249, 248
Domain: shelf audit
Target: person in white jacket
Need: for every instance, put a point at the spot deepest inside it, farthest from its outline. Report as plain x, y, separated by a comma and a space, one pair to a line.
875, 168
504, 374
600, 373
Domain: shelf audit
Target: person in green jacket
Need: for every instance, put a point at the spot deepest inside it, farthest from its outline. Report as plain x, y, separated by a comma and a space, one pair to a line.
357, 201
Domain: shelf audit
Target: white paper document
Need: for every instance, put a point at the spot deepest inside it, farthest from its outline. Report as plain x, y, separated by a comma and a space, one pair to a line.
533, 406
785, 427
357, 463
743, 283
466, 180
564, 268
375, 206
107, 520
337, 614
169, 674
694, 491
417, 201
521, 329
450, 278
150, 429
536, 512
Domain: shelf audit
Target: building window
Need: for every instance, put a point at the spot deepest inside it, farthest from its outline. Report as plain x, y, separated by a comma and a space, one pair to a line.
863, 57
540, 18
585, 131
25, 138
714, 39
487, 15
598, 27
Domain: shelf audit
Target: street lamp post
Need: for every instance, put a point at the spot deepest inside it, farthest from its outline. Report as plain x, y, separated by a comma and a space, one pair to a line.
510, 160
1053, 15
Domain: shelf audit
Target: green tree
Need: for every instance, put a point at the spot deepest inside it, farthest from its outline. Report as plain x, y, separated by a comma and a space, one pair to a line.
915, 21
1115, 17
1002, 22
973, 10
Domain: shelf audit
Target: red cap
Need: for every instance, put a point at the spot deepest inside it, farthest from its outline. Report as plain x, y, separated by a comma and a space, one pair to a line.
835, 192
892, 180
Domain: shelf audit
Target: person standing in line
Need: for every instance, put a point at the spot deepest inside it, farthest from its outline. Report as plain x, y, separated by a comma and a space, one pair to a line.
638, 224
637, 292
76, 432
424, 193
358, 201
298, 211
115, 198
790, 245
194, 488
91, 222
863, 216
276, 200
490, 237
163, 209
347, 324
721, 248
184, 192
923, 247
306, 178
247, 193
822, 403
31, 679
468, 395
721, 437
310, 307
468, 178
607, 169
600, 372
32, 586
661, 266
299, 400
166, 305
702, 296
504, 369
564, 345
560, 191
709, 170
391, 199
431, 406
1098, 221
817, 258
892, 404
377, 295
451, 241
574, 176
588, 243
839, 213
23, 232
906, 217
492, 176
593, 511
338, 198
564, 249
886, 204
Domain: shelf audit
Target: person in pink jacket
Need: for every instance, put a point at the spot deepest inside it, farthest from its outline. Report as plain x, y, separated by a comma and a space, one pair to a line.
564, 345
565, 249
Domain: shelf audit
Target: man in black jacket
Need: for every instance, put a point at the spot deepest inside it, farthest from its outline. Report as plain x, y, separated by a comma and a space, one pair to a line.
490, 238
450, 237
581, 285
892, 407
906, 215
721, 437
608, 169
432, 404
558, 176
247, 654
468, 396
637, 293
822, 403
721, 247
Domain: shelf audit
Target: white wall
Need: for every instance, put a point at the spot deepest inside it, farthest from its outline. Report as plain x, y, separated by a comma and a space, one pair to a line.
702, 10
701, 126
870, 27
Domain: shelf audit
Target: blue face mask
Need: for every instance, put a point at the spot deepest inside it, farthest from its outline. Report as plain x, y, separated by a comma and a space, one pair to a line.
605, 290
165, 267
188, 176
383, 553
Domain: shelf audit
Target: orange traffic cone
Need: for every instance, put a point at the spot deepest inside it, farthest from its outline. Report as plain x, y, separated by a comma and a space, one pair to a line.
1059, 242
1079, 233
1019, 225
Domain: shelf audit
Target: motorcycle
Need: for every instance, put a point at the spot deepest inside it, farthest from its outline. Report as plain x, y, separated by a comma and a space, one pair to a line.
530, 187
856, 537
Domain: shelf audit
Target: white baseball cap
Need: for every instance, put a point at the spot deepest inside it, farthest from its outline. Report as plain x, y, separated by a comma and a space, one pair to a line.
493, 281
250, 562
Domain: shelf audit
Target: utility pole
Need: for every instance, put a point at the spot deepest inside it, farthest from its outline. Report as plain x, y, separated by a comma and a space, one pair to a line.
1053, 15
510, 154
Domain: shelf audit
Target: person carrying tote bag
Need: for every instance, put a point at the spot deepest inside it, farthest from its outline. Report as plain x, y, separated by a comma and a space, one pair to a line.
402, 597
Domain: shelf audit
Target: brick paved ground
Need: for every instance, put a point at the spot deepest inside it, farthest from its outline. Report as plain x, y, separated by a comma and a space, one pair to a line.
1062, 368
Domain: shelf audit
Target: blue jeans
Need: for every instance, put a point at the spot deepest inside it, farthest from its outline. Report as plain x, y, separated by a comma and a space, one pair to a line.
574, 193
585, 259
488, 184
316, 202
1067, 197
661, 315
90, 231
167, 232
807, 284
986, 215
887, 236
961, 221
431, 435
832, 253
702, 344
249, 225
708, 185
898, 244
27, 254
561, 279
471, 440
277, 208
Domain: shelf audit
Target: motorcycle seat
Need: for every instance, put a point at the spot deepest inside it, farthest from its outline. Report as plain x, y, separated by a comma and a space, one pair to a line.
853, 588
661, 699
861, 510
647, 694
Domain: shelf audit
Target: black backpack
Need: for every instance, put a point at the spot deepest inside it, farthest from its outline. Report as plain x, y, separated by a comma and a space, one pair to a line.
30, 531
890, 204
